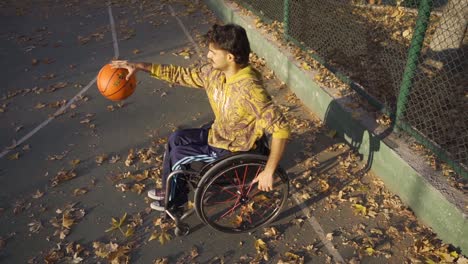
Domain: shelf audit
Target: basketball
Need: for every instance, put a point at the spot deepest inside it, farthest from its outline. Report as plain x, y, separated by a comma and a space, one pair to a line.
112, 84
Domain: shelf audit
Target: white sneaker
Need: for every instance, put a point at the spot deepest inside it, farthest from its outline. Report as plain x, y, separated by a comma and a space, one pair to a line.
157, 195
157, 206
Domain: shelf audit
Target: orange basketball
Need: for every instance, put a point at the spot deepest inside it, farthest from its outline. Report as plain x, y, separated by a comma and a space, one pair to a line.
112, 84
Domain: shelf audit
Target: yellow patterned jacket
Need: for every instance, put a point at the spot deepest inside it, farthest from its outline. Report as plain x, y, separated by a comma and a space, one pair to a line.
242, 107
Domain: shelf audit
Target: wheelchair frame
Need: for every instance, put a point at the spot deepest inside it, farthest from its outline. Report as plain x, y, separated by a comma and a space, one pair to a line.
197, 181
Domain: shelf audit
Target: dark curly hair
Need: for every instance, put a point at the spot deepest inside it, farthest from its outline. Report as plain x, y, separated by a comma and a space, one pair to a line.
232, 38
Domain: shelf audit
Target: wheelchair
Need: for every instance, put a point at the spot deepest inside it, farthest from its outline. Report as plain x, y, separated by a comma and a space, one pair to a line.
225, 197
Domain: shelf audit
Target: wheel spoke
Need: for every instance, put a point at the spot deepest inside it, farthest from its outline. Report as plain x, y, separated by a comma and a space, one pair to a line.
232, 203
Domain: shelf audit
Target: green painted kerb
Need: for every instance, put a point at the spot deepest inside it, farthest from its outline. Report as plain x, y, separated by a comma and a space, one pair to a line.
429, 204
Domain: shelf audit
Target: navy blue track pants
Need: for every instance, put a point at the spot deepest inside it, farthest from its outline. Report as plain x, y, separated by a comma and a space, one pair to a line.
184, 147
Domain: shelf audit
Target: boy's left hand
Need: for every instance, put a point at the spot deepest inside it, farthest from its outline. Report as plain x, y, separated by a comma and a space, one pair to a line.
265, 181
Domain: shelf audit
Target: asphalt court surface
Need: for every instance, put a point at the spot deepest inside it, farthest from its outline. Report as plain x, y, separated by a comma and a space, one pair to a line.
58, 40
45, 44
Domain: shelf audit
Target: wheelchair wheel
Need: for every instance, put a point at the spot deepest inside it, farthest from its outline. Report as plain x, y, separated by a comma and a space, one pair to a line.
227, 200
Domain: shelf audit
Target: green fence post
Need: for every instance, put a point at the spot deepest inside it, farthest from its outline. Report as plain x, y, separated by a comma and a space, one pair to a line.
424, 13
286, 18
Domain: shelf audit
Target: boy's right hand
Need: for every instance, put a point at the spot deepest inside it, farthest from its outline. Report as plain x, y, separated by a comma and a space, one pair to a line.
131, 67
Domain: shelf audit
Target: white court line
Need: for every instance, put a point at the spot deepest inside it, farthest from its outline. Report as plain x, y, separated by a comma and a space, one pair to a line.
337, 258
114, 34
63, 108
186, 32
312, 220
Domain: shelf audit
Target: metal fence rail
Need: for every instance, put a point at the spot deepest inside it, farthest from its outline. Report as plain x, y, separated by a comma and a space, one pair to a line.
411, 57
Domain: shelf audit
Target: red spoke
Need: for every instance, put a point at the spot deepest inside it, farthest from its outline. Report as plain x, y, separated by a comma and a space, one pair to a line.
251, 184
228, 200
237, 175
268, 207
243, 180
225, 190
232, 209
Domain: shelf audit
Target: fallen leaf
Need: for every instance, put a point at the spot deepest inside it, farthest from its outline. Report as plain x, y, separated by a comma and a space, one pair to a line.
161, 261
261, 248
38, 194
63, 176
40, 105
360, 209
117, 224
79, 191
270, 232
114, 159
138, 188
370, 251
67, 221
35, 226
129, 232
75, 162
306, 66
153, 236
164, 237
14, 156
100, 159
85, 121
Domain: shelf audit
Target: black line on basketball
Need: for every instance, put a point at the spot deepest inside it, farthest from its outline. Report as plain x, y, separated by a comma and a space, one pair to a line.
127, 82
112, 76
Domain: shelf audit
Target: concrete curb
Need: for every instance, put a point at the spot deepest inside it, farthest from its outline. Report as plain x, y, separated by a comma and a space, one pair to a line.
390, 158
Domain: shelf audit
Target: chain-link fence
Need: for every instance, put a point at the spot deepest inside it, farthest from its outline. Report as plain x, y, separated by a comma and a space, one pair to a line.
410, 55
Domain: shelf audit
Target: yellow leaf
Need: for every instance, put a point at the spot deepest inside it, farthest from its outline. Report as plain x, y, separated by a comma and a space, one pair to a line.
14, 156
67, 221
237, 221
122, 220
129, 232
153, 236
260, 246
164, 237
306, 66
75, 162
138, 188
185, 54
324, 185
370, 251
39, 105
100, 250
112, 228
292, 256
136, 51
360, 209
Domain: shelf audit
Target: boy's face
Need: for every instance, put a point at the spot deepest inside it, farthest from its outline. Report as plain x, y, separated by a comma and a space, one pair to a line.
220, 59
